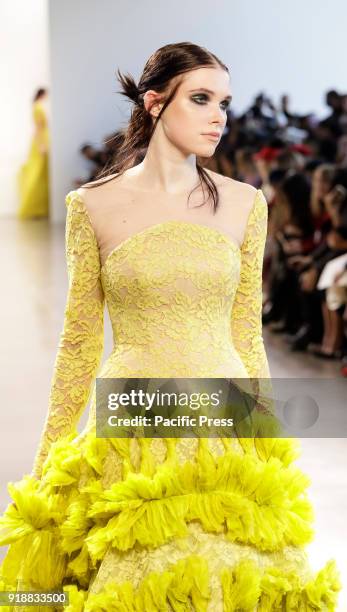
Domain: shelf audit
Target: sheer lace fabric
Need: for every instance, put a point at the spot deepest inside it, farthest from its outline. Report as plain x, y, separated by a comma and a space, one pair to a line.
162, 524
183, 299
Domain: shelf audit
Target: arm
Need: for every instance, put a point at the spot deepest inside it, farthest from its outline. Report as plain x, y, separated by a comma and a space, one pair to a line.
81, 340
246, 321
246, 317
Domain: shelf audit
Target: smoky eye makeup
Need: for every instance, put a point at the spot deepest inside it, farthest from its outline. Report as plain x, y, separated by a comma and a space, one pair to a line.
203, 98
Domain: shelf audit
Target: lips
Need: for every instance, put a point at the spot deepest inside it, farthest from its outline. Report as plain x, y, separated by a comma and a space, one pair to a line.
212, 134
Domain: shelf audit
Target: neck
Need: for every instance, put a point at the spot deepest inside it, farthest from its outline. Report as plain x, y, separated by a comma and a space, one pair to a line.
165, 168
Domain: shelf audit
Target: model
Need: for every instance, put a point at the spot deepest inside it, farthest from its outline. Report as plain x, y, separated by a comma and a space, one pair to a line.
33, 176
148, 524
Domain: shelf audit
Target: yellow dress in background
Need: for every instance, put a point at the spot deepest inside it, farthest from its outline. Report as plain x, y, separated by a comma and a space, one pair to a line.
145, 525
33, 179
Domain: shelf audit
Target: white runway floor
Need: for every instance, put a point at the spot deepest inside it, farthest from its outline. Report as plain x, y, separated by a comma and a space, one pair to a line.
34, 284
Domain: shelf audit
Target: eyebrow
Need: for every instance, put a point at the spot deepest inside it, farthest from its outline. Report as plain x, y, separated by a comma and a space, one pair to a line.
209, 91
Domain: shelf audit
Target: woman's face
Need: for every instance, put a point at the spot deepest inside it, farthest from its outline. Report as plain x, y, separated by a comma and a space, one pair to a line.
320, 184
195, 112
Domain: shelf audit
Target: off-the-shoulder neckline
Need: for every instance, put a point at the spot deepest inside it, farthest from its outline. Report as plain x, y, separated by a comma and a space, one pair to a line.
198, 226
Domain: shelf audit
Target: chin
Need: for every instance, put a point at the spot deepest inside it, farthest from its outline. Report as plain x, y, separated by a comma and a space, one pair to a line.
207, 151
201, 151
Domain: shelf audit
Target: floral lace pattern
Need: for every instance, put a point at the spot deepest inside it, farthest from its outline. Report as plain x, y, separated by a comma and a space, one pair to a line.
184, 301
221, 553
246, 322
82, 338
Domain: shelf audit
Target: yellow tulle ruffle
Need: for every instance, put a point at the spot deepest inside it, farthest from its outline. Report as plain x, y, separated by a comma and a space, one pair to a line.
61, 527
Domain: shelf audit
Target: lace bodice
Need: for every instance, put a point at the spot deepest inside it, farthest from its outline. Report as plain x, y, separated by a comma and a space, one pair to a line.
183, 300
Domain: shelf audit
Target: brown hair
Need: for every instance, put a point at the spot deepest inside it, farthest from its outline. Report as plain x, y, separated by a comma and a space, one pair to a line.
163, 65
39, 93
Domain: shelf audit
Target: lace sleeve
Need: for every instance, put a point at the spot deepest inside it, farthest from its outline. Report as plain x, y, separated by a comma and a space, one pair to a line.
82, 337
246, 321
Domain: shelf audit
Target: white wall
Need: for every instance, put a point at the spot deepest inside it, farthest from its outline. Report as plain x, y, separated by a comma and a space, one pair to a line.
23, 68
294, 47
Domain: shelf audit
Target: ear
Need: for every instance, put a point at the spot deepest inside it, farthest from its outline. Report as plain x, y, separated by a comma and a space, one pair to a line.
152, 102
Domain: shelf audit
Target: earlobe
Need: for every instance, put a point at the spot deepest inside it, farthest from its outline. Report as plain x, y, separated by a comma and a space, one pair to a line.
156, 113
151, 104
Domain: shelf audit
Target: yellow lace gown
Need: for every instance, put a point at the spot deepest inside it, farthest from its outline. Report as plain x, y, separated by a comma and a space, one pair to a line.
33, 176
144, 525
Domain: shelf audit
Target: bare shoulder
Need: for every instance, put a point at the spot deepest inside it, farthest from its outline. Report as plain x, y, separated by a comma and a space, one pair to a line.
219, 179
96, 185
243, 194
93, 193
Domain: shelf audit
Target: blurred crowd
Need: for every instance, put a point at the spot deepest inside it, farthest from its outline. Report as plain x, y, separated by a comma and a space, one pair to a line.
300, 163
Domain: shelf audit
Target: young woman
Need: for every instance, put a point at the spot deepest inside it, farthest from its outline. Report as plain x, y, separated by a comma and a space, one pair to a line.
176, 252
33, 177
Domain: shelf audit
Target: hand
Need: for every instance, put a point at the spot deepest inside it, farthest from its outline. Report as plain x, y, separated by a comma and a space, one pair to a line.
308, 279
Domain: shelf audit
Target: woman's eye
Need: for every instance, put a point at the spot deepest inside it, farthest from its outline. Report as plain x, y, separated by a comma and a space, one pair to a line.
202, 100
199, 99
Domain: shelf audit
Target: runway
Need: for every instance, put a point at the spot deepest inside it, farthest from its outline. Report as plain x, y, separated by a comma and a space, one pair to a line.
34, 285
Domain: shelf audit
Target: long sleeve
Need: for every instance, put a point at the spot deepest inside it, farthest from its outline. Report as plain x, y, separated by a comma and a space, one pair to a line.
82, 337
246, 324
246, 317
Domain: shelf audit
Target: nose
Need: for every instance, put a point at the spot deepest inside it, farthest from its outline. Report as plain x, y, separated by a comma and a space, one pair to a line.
218, 116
